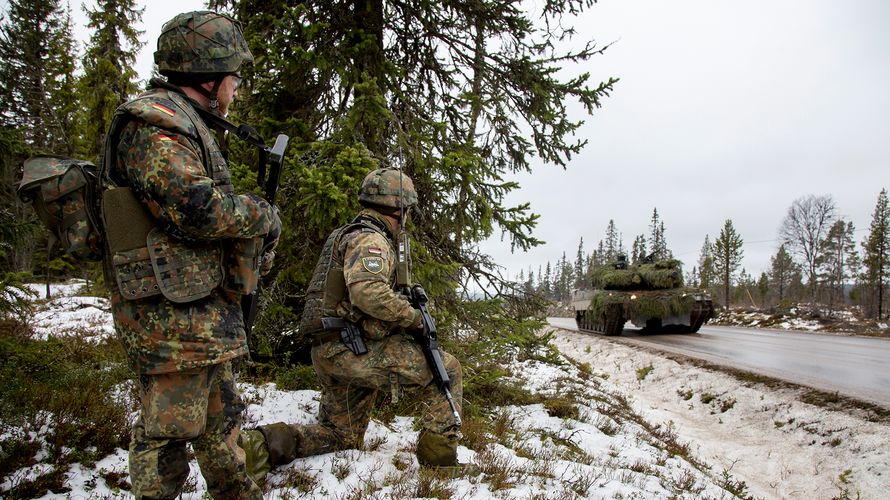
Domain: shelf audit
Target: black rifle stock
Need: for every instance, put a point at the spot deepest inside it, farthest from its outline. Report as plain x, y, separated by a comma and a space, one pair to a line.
275, 156
429, 344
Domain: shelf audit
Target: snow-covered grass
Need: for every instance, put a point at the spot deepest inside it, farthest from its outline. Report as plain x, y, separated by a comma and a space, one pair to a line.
68, 313
611, 422
780, 445
804, 317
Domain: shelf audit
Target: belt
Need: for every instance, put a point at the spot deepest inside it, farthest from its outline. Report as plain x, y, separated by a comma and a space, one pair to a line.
326, 336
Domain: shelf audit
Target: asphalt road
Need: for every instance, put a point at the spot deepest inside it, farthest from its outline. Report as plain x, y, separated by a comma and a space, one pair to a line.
858, 367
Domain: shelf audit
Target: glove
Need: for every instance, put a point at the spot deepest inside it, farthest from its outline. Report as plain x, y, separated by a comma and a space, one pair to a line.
270, 241
266, 261
417, 324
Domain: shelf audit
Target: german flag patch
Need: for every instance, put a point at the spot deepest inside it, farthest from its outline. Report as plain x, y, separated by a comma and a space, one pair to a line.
165, 137
163, 109
375, 251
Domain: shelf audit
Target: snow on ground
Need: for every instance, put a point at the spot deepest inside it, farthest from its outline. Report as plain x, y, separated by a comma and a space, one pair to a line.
617, 444
548, 457
781, 447
585, 454
67, 313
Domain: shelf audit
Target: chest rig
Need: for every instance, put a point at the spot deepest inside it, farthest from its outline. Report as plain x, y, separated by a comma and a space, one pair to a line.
147, 256
326, 295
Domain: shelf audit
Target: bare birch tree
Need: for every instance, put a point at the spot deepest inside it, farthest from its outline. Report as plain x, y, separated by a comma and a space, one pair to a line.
805, 226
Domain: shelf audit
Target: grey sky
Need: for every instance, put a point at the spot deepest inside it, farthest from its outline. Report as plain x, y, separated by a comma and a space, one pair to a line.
725, 110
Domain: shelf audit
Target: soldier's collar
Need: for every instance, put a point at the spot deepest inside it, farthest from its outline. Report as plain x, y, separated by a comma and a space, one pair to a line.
374, 218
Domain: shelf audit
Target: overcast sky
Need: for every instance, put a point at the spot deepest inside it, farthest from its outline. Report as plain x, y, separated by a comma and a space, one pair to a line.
725, 110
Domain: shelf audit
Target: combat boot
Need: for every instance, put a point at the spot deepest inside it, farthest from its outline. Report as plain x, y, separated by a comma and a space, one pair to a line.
256, 455
268, 446
437, 454
282, 441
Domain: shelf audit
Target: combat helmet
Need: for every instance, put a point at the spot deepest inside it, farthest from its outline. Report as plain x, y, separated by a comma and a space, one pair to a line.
384, 187
201, 43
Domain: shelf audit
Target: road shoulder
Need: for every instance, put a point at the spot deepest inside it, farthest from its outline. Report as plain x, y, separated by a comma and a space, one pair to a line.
766, 436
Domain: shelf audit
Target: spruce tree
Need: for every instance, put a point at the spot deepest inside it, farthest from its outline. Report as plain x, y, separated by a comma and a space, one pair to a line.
37, 85
763, 289
657, 243
638, 250
728, 255
460, 95
109, 77
838, 261
876, 254
38, 103
612, 245
783, 272
706, 271
579, 264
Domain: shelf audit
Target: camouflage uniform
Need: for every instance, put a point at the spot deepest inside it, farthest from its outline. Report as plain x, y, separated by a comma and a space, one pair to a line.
394, 363
175, 303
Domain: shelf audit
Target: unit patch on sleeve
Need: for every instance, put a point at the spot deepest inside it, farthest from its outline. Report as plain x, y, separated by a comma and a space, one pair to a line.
372, 264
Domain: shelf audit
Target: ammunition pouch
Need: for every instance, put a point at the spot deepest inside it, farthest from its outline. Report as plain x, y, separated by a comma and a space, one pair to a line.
147, 262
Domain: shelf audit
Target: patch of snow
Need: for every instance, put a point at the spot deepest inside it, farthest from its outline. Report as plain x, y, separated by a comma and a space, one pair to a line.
66, 289
89, 317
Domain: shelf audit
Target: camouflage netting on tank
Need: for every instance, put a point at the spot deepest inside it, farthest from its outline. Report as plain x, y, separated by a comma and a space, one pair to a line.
661, 275
652, 304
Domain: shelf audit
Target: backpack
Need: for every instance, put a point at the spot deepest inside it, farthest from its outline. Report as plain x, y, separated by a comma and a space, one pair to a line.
65, 192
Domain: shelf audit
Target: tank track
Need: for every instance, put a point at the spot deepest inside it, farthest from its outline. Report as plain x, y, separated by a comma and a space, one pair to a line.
703, 311
610, 323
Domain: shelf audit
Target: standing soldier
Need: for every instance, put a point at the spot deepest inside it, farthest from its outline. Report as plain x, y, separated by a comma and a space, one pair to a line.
183, 249
354, 280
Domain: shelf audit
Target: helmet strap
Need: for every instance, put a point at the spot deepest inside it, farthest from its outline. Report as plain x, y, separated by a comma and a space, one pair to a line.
212, 95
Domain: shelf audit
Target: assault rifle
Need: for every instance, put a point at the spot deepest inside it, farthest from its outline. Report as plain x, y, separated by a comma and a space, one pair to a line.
275, 156
429, 344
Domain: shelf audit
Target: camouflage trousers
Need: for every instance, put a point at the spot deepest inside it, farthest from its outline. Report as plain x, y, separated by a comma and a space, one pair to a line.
201, 407
352, 384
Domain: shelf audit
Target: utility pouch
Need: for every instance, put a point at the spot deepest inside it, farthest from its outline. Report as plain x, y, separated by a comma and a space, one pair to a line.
135, 274
243, 265
185, 272
127, 225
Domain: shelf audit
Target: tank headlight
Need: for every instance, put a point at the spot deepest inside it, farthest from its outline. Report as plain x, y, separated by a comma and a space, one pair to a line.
633, 297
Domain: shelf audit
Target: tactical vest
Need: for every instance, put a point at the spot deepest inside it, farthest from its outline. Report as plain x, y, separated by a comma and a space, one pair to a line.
148, 259
327, 295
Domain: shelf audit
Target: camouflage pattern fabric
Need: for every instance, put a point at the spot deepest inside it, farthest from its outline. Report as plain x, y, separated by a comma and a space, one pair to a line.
369, 267
194, 201
351, 384
202, 406
388, 187
201, 42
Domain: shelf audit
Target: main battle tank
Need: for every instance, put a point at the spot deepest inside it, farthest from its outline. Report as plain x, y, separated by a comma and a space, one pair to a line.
650, 294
